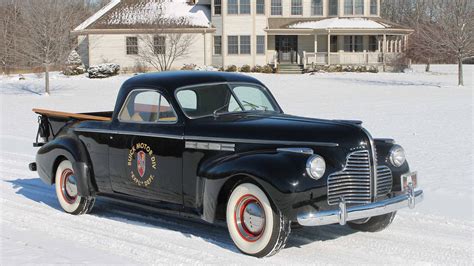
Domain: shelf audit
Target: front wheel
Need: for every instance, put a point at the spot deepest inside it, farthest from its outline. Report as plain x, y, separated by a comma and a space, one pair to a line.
257, 228
373, 224
67, 191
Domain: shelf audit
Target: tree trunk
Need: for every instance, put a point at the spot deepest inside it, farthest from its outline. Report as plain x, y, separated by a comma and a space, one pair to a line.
460, 73
428, 65
46, 78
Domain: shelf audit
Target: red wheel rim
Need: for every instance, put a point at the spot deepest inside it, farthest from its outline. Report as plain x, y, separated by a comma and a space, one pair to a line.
68, 180
249, 218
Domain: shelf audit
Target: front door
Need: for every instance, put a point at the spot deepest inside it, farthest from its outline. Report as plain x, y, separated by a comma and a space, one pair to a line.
145, 155
287, 47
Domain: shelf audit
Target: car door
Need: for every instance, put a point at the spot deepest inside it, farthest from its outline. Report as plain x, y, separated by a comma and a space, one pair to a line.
145, 155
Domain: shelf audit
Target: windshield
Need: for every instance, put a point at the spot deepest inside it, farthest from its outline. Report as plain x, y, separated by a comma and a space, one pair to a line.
216, 99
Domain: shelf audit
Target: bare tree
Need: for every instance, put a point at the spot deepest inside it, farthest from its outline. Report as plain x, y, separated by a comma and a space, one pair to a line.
9, 20
165, 43
451, 32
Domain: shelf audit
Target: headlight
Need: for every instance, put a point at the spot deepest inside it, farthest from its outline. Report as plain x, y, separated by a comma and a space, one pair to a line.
397, 156
316, 166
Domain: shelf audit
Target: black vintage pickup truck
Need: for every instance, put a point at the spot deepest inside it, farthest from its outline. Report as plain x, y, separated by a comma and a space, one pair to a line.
218, 146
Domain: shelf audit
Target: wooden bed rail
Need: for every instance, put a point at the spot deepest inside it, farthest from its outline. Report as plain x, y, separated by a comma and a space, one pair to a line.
70, 115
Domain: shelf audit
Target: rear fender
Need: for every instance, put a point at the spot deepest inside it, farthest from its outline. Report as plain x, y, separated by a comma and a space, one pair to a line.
66, 147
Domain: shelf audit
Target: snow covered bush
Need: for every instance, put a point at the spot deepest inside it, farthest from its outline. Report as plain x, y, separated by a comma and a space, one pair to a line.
245, 68
74, 65
257, 69
267, 69
188, 67
103, 70
231, 68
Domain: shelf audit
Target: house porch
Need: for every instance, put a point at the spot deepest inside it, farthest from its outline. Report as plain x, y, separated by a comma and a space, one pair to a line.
335, 49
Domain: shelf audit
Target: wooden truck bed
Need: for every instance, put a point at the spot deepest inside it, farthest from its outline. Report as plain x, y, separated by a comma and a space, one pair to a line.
51, 113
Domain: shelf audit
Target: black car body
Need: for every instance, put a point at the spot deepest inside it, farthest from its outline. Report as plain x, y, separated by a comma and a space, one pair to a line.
192, 162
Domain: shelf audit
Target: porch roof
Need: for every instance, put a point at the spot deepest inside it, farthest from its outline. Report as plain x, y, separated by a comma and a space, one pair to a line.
343, 24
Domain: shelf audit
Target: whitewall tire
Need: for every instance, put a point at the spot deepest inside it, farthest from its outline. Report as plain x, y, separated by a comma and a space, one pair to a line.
67, 190
256, 227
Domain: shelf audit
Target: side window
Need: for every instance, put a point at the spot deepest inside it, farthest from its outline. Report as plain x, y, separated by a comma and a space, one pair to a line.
146, 106
187, 99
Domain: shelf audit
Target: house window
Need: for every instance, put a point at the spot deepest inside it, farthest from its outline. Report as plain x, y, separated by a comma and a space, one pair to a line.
373, 43
276, 9
353, 43
296, 7
159, 44
348, 7
132, 45
373, 7
233, 7
333, 47
217, 45
353, 7
260, 44
217, 7
245, 44
233, 44
244, 6
260, 6
359, 7
333, 7
317, 7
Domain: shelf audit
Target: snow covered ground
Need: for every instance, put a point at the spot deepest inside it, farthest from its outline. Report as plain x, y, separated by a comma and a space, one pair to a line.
425, 112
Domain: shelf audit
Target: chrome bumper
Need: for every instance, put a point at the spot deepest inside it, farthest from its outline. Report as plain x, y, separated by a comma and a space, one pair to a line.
344, 213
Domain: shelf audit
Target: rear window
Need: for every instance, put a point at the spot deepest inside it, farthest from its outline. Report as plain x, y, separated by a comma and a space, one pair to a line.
147, 106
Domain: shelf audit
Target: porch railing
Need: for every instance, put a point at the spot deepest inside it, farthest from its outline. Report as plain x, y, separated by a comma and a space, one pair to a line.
343, 58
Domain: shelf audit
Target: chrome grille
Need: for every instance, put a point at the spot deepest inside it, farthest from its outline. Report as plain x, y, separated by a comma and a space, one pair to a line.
384, 180
353, 182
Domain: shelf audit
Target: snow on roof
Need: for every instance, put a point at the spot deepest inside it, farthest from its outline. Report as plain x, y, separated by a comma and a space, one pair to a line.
97, 15
140, 14
340, 23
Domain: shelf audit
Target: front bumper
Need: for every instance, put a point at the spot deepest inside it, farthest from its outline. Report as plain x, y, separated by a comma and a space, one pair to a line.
344, 213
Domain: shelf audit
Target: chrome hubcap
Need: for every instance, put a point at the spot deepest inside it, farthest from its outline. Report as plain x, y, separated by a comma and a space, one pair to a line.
69, 186
250, 218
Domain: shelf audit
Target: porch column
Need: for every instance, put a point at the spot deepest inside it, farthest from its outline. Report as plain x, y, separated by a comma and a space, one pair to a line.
329, 48
405, 45
384, 49
315, 48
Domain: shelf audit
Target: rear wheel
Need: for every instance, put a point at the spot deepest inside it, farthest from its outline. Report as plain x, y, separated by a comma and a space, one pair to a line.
67, 191
373, 224
256, 227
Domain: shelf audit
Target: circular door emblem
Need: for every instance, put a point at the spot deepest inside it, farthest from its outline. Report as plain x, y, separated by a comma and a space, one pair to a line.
142, 164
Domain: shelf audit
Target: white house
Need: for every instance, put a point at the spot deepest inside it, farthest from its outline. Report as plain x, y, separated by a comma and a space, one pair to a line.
253, 32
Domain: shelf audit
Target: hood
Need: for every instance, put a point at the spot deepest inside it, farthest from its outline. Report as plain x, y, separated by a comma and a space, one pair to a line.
278, 128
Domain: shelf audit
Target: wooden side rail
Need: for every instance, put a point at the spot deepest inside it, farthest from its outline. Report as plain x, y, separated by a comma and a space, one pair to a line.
70, 115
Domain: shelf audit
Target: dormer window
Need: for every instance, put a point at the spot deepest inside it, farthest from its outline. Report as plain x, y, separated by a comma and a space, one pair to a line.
353, 7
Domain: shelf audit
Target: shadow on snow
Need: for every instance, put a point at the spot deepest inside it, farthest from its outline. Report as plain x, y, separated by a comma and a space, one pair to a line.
37, 191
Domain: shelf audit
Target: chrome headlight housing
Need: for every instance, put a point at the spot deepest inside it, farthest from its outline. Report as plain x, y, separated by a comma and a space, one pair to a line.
397, 156
316, 166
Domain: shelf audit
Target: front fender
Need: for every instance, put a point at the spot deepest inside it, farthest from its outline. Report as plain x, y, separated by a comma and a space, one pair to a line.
282, 175
72, 149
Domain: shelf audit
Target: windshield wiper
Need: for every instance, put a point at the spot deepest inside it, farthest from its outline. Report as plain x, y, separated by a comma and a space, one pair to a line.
255, 106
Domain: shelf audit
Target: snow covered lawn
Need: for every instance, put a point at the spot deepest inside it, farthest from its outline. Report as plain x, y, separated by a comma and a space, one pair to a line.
425, 112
